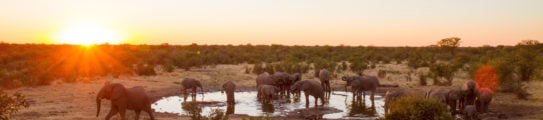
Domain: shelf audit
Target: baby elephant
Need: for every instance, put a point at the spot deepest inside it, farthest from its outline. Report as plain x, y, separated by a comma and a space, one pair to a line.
268, 92
447, 96
470, 113
229, 87
483, 99
391, 96
123, 99
310, 88
189, 83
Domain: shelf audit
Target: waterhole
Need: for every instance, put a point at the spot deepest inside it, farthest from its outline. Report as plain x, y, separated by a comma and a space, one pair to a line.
246, 103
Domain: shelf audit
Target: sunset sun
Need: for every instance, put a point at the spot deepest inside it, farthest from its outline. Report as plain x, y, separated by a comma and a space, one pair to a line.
87, 35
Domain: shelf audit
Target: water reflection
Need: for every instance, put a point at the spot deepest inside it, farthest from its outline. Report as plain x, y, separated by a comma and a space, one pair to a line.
268, 108
247, 103
358, 108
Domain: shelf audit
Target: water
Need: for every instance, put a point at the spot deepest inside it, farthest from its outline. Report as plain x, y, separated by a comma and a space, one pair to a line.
246, 103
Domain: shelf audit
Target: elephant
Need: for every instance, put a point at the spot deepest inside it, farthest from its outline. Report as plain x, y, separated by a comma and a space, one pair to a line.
122, 99
451, 97
483, 99
391, 96
267, 92
229, 87
190, 83
470, 113
283, 81
293, 78
265, 79
310, 88
360, 84
324, 76
469, 93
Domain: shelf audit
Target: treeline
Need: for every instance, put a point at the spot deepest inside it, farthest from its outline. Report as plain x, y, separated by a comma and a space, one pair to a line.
38, 64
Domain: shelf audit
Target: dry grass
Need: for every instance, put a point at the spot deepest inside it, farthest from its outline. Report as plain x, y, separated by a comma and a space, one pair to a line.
77, 100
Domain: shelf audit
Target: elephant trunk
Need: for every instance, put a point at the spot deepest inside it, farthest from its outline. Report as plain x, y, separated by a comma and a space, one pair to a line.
98, 101
202, 92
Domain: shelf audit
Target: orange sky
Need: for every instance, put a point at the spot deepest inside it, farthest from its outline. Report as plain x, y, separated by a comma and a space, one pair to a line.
300, 22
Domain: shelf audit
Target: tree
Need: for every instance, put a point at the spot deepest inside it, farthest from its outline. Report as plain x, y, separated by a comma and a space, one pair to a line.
528, 42
449, 44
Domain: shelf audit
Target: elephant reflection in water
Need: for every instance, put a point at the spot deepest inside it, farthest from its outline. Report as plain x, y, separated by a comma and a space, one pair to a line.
187, 96
358, 106
268, 108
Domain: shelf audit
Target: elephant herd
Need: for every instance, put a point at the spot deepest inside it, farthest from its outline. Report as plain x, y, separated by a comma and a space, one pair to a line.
268, 87
470, 99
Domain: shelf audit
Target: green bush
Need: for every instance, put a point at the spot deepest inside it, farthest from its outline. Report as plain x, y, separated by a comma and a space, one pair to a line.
145, 70
168, 67
218, 114
422, 80
258, 68
193, 110
412, 108
381, 73
11, 104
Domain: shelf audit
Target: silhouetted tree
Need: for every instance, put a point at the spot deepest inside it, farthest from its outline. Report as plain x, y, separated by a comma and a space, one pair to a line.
449, 44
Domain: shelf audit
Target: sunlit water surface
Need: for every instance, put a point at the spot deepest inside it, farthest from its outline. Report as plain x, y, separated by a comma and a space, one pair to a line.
246, 103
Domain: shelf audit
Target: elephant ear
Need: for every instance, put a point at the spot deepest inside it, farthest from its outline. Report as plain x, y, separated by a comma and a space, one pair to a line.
276, 89
304, 86
117, 91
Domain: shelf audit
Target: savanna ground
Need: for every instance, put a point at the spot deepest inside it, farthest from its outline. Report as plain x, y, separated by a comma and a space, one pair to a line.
76, 100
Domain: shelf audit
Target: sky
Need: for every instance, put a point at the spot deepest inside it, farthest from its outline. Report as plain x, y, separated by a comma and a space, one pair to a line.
288, 22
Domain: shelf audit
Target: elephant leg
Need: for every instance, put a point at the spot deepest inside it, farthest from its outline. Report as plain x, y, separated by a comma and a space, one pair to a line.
329, 88
122, 111
194, 91
372, 94
258, 95
138, 114
150, 112
316, 100
363, 95
306, 100
112, 112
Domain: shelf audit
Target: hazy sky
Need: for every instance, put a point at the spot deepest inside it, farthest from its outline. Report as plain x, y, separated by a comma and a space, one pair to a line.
290, 22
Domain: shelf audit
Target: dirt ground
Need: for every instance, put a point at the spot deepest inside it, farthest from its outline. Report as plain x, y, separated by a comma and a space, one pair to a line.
77, 100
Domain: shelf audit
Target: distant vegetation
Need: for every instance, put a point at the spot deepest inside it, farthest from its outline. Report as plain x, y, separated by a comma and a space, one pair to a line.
412, 108
38, 64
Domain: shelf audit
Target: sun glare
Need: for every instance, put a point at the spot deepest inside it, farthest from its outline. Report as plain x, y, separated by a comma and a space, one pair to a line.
88, 35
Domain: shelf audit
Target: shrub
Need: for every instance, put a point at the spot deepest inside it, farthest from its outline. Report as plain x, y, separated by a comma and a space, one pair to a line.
168, 67
422, 80
247, 70
11, 104
193, 110
412, 108
382, 73
145, 70
442, 70
358, 67
258, 68
217, 114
